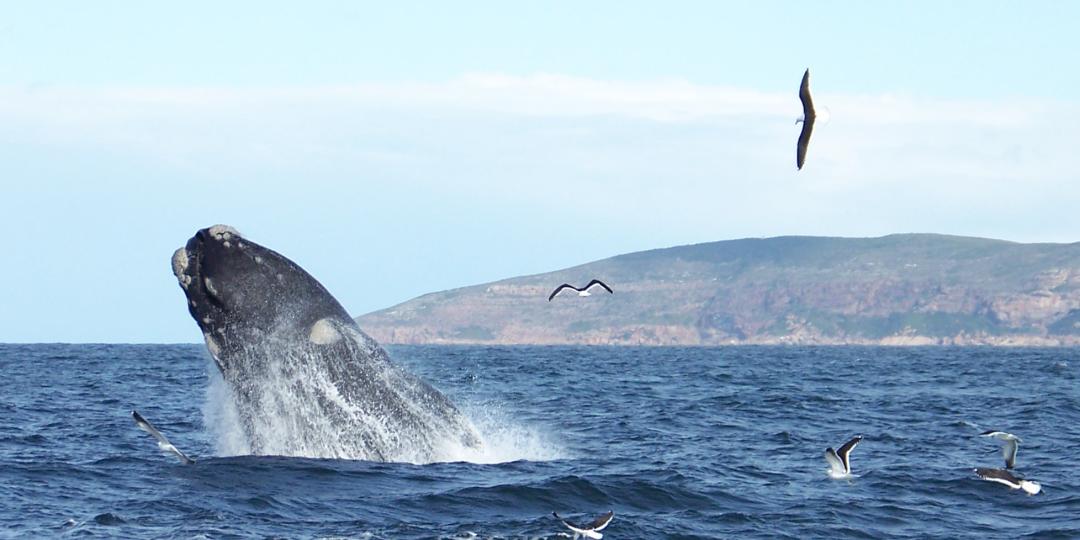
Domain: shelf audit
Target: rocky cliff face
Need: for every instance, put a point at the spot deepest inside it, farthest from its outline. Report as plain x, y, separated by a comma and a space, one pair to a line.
900, 289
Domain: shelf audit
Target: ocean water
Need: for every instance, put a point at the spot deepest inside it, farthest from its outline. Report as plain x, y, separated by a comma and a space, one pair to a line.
679, 442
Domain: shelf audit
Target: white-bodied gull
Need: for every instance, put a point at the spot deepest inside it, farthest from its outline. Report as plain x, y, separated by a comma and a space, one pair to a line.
1003, 476
1012, 444
809, 115
591, 530
162, 442
584, 291
839, 460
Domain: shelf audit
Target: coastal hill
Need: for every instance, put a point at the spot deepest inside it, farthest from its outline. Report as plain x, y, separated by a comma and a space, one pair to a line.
903, 289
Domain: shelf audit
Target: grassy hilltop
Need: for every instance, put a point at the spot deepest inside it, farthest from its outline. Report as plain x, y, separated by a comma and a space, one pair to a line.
897, 289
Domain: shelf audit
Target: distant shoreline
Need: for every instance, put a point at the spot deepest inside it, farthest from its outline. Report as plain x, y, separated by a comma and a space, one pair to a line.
613, 345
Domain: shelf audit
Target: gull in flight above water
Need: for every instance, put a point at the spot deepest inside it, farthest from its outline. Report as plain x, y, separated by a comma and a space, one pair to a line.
584, 291
839, 460
1012, 444
1007, 478
591, 530
162, 442
807, 120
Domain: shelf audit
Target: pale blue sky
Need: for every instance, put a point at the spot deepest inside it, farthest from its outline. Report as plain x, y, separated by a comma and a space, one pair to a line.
397, 148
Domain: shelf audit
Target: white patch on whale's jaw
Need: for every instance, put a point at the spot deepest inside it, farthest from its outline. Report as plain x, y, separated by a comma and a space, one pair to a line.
323, 332
213, 347
223, 232
210, 287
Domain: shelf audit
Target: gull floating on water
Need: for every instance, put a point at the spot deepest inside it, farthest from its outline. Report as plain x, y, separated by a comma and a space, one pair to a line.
584, 291
162, 442
592, 530
808, 119
1003, 476
839, 461
1012, 444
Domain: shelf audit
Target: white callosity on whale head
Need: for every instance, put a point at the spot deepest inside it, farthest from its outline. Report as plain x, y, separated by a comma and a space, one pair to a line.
323, 332
179, 265
223, 232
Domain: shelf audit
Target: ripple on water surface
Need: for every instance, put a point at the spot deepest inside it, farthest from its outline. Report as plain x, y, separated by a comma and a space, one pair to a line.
680, 443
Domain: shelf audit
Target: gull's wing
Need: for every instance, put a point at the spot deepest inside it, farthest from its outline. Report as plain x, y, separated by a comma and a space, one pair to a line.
572, 526
564, 522
599, 523
600, 283
560, 289
163, 443
804, 95
1009, 451
808, 119
1000, 476
835, 464
844, 451
804, 143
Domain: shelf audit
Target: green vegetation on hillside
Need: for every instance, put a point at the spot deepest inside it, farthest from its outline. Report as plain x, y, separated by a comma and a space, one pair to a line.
915, 287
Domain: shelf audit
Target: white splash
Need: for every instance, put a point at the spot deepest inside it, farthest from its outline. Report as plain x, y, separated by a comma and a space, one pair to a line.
293, 420
504, 440
221, 417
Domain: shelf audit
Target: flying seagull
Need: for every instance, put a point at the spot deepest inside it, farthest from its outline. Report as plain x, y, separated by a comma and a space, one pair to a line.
1012, 444
162, 442
592, 530
581, 292
808, 118
1003, 476
839, 461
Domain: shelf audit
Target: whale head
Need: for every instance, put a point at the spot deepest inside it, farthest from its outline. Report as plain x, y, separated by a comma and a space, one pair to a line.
240, 292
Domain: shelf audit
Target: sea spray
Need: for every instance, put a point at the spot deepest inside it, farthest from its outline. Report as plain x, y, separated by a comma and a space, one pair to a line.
290, 426
221, 418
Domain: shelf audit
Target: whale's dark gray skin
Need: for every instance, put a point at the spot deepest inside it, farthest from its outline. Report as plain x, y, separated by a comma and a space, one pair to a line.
306, 381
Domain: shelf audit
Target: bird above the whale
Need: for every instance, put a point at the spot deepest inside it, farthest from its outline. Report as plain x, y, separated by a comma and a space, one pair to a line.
839, 460
584, 291
590, 530
809, 115
1009, 449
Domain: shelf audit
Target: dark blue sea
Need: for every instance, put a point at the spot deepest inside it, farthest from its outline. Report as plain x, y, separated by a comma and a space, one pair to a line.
679, 442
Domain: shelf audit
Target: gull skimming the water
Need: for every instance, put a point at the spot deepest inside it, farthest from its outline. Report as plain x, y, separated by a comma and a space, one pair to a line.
584, 291
1007, 478
839, 460
591, 530
163, 443
808, 119
1012, 444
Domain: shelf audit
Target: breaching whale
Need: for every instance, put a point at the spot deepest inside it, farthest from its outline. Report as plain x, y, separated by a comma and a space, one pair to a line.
306, 381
